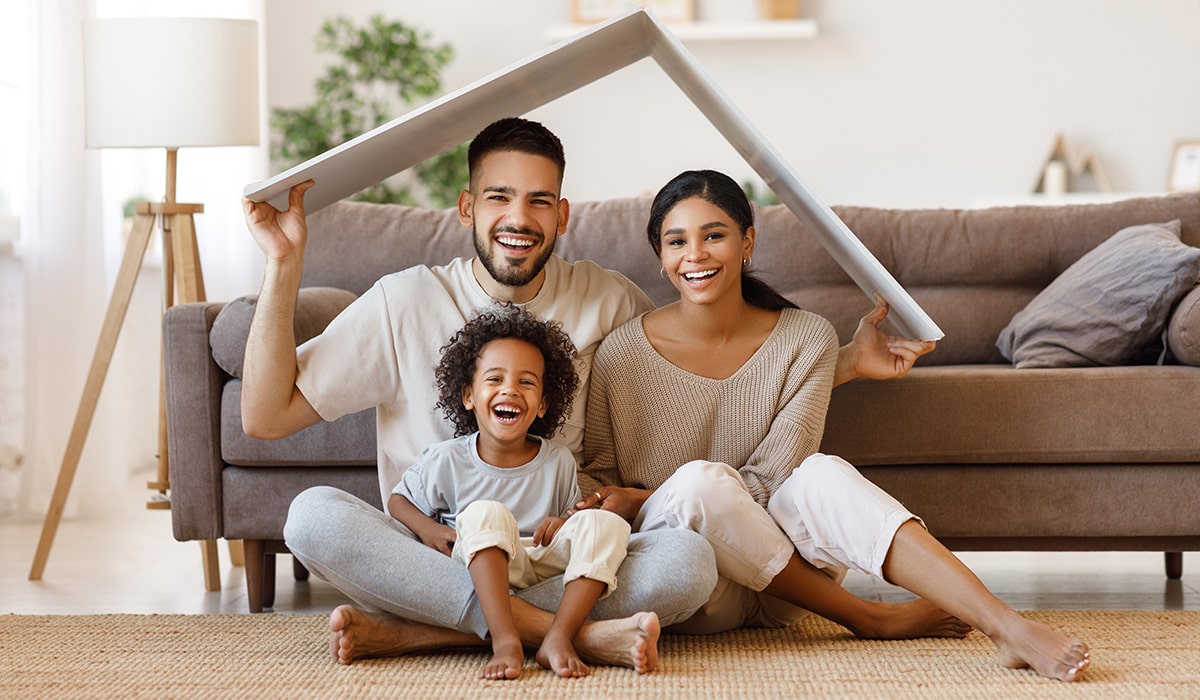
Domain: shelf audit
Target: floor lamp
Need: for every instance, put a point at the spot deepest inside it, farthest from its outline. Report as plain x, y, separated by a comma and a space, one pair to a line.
158, 83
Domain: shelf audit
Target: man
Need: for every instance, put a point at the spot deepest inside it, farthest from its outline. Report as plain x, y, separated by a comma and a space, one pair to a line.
381, 352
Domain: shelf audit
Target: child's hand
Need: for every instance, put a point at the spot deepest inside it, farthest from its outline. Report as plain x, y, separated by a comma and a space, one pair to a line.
546, 530
431, 533
438, 536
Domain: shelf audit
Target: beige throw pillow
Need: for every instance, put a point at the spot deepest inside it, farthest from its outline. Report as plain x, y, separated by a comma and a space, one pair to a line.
1183, 330
1107, 306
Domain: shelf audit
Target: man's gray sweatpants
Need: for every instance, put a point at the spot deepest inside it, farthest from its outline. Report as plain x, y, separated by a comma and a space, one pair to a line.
382, 566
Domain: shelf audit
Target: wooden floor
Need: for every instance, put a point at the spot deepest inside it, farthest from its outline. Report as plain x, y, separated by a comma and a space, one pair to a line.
129, 563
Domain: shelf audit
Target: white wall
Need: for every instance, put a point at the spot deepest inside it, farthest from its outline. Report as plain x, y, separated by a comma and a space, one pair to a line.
917, 103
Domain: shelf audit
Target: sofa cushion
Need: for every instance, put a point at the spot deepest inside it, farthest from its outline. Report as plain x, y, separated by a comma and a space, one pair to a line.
255, 501
1183, 330
1108, 305
345, 442
989, 262
997, 414
972, 270
352, 244
315, 308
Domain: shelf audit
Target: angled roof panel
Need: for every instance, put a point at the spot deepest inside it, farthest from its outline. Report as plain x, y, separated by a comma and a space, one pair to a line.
557, 71
459, 116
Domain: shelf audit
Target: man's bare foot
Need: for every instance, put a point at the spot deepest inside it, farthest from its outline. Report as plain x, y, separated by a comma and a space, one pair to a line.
357, 634
631, 642
1028, 644
508, 658
558, 654
917, 618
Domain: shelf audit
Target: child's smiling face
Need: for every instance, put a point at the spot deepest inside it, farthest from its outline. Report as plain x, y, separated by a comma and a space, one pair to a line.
506, 391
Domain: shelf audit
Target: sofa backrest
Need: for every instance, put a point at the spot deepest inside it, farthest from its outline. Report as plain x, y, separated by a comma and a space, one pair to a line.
970, 269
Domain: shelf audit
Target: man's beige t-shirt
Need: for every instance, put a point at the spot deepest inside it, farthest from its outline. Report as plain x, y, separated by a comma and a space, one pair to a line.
383, 349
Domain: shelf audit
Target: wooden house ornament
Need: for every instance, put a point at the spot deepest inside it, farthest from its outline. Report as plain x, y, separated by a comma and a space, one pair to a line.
1065, 171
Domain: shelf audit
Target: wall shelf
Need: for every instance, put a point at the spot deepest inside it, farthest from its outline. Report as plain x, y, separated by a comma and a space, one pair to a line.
1050, 200
780, 29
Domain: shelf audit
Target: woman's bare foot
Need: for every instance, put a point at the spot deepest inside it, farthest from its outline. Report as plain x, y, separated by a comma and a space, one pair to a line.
1025, 643
508, 658
917, 618
357, 634
631, 642
558, 654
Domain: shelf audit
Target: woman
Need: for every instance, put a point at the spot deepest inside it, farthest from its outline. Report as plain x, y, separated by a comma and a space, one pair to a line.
732, 382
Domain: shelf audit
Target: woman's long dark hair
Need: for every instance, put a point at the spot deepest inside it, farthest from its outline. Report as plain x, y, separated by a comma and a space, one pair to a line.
722, 192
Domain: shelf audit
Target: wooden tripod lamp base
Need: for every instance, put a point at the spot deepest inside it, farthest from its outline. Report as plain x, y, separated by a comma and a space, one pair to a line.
181, 268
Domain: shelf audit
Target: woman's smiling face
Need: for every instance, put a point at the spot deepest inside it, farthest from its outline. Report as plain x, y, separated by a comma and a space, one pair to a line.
703, 250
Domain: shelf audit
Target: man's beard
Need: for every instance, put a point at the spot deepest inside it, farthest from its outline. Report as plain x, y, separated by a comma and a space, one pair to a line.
512, 275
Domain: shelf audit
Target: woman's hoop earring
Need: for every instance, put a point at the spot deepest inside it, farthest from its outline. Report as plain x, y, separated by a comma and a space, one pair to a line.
747, 261
663, 272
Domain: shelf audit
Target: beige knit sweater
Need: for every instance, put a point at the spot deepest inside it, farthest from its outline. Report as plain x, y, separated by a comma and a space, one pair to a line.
646, 417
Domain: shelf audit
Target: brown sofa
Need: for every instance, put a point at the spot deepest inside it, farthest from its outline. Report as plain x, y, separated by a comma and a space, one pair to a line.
993, 457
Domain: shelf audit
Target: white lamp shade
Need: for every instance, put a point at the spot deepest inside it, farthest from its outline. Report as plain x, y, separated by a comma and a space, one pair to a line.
170, 82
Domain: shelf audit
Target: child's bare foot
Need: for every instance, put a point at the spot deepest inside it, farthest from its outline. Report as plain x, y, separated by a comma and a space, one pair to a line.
508, 658
631, 642
1026, 643
917, 618
357, 634
558, 654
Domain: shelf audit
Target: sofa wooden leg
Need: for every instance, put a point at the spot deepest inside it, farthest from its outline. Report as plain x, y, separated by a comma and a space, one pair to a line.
254, 555
212, 565
1174, 562
268, 580
298, 571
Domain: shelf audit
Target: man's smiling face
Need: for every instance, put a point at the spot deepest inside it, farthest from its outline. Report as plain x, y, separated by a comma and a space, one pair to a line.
516, 215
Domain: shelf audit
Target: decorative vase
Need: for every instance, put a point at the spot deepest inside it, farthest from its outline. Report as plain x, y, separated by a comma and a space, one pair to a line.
779, 9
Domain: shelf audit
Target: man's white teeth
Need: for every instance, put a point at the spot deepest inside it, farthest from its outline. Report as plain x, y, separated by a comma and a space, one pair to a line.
692, 276
514, 242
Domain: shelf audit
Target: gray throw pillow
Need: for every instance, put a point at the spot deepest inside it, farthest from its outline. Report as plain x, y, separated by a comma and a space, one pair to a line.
1107, 306
315, 308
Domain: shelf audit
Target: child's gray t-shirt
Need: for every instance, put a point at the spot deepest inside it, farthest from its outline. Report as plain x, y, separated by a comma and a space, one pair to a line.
450, 476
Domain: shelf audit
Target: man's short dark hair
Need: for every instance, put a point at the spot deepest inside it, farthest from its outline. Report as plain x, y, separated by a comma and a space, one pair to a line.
516, 134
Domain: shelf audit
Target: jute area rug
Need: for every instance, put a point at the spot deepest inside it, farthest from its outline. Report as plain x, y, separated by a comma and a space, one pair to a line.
1141, 654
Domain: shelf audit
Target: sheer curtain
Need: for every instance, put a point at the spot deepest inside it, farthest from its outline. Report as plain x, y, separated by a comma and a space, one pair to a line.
62, 255
72, 244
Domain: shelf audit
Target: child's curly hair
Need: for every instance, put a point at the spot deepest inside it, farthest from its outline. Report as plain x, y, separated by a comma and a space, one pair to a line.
456, 370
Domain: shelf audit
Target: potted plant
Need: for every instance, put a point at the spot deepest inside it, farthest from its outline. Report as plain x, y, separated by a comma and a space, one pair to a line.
377, 66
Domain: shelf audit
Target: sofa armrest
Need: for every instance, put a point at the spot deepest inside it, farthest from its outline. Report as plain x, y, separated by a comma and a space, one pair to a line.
193, 403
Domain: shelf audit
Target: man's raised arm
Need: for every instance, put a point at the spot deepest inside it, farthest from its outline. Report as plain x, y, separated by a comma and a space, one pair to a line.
272, 405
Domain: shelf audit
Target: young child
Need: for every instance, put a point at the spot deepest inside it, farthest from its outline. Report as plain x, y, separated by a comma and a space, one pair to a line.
499, 496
